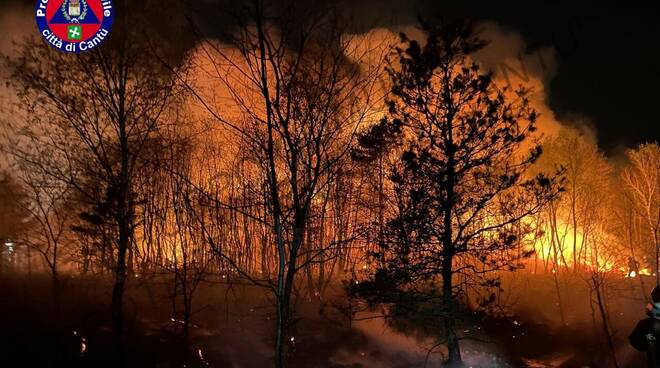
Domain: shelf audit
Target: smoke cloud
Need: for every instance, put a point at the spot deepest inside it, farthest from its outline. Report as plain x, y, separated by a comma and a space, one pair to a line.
515, 64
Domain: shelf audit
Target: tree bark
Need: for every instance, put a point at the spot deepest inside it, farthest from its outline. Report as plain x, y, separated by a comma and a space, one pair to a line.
123, 217
118, 295
448, 252
605, 319
453, 349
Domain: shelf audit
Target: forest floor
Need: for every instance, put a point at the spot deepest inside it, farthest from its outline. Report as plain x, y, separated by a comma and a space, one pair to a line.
232, 327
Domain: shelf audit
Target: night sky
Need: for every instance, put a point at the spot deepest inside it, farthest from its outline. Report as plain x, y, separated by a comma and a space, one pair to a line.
608, 64
607, 56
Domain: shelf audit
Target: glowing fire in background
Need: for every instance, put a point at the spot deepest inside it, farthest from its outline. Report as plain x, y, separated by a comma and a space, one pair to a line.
632, 273
571, 250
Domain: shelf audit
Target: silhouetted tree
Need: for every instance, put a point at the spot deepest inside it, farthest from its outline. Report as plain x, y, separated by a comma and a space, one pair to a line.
90, 117
49, 205
572, 221
459, 182
14, 218
297, 92
642, 180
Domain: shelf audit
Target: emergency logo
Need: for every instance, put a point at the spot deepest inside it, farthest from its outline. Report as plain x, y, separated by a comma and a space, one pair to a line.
74, 25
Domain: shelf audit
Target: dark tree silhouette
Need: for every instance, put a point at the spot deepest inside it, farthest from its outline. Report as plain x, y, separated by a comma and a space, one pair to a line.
302, 90
90, 117
459, 181
14, 219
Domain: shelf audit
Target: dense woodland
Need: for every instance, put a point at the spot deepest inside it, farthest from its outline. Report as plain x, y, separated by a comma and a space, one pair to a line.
295, 159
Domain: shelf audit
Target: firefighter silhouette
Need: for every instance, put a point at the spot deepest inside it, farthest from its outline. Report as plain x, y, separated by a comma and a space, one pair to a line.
646, 335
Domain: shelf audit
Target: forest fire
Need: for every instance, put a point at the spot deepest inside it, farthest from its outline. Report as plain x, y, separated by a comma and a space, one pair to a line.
561, 247
570, 250
295, 185
633, 273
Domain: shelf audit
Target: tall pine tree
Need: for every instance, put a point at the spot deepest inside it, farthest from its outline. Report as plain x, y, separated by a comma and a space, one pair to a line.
458, 182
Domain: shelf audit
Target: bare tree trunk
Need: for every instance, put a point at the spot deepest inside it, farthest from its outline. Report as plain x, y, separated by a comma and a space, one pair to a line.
559, 300
636, 264
448, 252
118, 295
575, 224
29, 262
453, 349
284, 273
657, 257
186, 307
55, 289
604, 318
555, 263
124, 242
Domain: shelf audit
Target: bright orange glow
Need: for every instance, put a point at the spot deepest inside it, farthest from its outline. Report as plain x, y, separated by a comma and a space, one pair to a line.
562, 247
